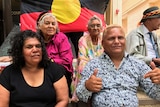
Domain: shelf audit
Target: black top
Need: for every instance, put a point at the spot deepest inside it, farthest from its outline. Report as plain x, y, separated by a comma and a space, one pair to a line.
23, 95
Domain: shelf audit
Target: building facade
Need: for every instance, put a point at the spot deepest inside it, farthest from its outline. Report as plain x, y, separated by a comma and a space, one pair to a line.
132, 12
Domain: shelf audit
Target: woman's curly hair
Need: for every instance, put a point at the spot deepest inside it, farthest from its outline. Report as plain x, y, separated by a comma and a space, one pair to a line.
17, 43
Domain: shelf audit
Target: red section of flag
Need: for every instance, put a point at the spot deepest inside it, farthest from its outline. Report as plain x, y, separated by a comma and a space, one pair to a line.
29, 21
81, 23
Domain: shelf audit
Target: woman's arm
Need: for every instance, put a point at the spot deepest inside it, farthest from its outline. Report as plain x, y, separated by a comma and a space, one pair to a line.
5, 59
61, 92
4, 97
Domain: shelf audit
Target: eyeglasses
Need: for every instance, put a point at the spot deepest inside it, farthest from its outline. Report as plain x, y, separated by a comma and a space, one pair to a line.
95, 25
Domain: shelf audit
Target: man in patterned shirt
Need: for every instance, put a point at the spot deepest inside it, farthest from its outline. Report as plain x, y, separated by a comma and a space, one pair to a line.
112, 79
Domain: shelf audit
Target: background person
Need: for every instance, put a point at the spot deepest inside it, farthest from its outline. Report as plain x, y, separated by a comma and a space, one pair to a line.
3, 65
32, 80
140, 43
57, 44
90, 46
112, 79
4, 59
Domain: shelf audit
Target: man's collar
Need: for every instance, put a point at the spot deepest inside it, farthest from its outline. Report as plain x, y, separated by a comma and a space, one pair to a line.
105, 55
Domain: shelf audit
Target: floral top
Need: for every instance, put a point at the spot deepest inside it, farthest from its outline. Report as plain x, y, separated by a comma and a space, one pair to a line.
87, 50
119, 86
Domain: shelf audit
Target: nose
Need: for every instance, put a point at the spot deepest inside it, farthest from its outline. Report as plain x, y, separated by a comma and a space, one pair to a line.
116, 40
34, 49
50, 25
95, 27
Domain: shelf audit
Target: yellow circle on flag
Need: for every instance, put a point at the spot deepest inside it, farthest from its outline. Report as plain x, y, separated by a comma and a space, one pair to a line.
66, 11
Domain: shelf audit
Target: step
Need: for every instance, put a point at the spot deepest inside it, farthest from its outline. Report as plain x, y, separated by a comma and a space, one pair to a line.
144, 101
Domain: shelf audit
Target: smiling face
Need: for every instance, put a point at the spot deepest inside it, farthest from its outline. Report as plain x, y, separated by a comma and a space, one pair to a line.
48, 25
32, 51
114, 41
95, 28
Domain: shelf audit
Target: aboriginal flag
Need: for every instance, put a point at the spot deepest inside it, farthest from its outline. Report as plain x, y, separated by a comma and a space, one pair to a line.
72, 15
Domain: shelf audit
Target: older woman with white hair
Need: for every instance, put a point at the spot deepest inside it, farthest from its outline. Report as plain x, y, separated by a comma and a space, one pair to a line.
57, 44
90, 46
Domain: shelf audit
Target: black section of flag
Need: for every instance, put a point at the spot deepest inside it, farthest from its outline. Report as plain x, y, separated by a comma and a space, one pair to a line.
98, 6
28, 6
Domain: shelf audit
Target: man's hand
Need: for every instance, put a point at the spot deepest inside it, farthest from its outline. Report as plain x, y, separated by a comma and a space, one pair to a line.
94, 83
156, 61
154, 74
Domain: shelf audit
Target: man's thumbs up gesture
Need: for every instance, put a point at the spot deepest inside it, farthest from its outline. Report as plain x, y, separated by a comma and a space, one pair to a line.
154, 74
94, 83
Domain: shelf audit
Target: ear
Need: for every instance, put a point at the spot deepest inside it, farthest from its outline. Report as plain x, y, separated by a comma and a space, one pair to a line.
38, 26
88, 28
101, 28
102, 42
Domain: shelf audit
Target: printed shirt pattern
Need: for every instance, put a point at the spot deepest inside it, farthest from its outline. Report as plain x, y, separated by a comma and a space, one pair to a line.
120, 85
